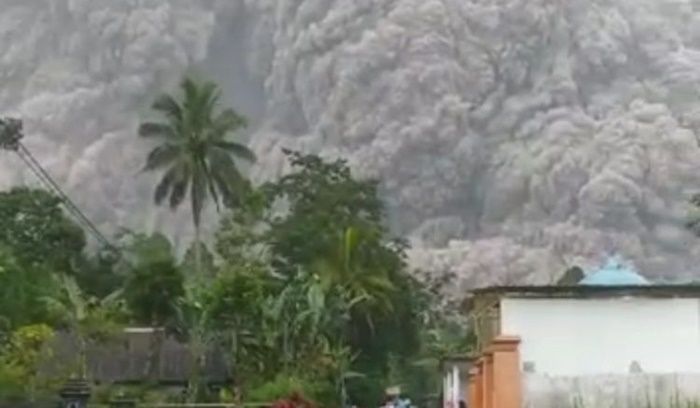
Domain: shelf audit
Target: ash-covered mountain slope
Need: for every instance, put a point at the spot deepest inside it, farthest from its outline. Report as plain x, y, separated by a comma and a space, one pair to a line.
513, 137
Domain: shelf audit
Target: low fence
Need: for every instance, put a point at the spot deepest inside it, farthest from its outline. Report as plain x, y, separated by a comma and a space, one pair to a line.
612, 391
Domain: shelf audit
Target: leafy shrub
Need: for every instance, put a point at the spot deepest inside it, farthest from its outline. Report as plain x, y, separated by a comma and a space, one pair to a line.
20, 361
286, 385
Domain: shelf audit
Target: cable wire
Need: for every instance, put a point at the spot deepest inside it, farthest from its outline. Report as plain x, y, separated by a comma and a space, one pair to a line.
10, 139
72, 208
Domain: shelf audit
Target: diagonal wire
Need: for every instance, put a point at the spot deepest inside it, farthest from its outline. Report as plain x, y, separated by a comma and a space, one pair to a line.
42, 174
10, 139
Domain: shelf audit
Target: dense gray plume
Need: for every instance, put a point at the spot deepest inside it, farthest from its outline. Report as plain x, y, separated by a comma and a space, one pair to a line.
514, 138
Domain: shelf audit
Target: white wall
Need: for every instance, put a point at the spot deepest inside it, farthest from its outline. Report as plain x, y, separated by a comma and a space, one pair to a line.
455, 382
572, 337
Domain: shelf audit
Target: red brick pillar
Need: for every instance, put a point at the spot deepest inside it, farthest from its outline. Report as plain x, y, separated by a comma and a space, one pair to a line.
507, 382
488, 380
475, 400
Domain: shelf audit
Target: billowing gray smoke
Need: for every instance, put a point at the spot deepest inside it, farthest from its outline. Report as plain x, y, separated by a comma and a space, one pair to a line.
513, 137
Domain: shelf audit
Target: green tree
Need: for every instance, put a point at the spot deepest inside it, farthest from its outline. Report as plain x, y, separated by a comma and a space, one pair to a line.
153, 281
194, 150
22, 288
323, 199
152, 289
196, 324
236, 300
35, 229
20, 359
324, 232
98, 273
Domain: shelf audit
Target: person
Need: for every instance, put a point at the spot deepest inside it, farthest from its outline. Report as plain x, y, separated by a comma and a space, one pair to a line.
403, 403
388, 402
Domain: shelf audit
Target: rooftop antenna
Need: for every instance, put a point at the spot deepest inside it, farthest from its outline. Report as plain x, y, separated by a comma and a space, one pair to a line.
11, 135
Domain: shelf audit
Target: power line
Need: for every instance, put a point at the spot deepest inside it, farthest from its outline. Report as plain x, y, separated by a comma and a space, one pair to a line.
72, 207
10, 139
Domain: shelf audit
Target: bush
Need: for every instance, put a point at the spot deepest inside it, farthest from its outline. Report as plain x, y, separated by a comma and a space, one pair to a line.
286, 385
20, 361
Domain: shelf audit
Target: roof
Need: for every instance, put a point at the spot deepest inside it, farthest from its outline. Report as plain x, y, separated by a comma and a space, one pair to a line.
614, 273
124, 360
594, 291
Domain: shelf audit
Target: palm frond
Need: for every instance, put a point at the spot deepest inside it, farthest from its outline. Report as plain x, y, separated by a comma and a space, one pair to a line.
225, 122
228, 198
229, 182
168, 106
155, 129
208, 98
237, 149
193, 111
161, 156
211, 184
166, 183
190, 90
179, 190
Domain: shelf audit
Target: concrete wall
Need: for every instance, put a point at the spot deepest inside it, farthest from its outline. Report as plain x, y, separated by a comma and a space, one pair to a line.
583, 337
612, 391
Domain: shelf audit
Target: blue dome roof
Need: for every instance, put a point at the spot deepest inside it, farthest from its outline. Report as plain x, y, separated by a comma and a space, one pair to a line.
614, 273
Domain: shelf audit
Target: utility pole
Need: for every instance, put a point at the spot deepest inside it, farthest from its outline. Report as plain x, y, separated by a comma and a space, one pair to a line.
10, 134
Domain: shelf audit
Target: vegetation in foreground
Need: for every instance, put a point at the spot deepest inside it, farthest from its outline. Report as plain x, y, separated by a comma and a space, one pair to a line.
302, 289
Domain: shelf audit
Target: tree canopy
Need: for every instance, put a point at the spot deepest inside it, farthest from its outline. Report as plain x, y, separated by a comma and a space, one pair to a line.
35, 229
306, 290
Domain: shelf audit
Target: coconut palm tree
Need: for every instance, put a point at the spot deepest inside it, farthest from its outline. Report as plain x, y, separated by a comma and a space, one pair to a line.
194, 152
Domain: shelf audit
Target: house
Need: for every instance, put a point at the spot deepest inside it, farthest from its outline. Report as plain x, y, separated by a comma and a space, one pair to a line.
124, 359
614, 339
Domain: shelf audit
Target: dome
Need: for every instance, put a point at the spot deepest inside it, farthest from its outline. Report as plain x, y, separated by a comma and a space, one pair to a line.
614, 273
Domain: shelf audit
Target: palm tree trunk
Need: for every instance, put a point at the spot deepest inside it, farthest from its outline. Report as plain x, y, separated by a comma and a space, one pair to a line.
197, 251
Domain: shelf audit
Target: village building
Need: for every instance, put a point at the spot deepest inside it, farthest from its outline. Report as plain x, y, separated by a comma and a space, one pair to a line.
613, 339
125, 358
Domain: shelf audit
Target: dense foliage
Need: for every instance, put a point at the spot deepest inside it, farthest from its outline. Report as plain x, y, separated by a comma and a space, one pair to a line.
304, 292
34, 227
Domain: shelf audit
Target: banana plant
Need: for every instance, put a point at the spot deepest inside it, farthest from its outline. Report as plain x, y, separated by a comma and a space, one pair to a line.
88, 318
194, 322
353, 274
